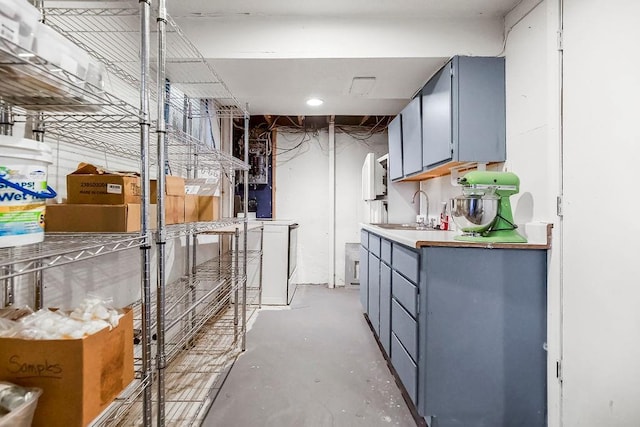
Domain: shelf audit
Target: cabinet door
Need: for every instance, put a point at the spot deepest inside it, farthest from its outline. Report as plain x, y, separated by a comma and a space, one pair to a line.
394, 133
437, 118
479, 131
364, 278
385, 307
374, 292
411, 138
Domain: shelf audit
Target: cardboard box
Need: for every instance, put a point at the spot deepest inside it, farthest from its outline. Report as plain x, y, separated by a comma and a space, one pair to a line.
202, 186
174, 210
96, 218
174, 186
208, 208
79, 378
190, 208
90, 184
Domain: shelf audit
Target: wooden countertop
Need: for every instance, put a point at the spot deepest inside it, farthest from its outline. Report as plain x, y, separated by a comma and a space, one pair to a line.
424, 238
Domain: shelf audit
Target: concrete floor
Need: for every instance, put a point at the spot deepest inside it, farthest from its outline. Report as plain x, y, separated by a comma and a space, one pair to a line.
314, 365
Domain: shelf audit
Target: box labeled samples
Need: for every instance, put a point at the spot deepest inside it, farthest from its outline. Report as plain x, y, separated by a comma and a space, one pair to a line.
79, 377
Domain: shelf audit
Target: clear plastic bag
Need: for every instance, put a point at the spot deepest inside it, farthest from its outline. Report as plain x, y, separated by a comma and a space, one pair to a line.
7, 327
90, 317
17, 404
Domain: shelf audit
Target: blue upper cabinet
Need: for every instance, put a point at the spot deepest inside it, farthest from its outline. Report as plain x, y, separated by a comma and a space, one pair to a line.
412, 138
478, 95
437, 118
394, 132
461, 114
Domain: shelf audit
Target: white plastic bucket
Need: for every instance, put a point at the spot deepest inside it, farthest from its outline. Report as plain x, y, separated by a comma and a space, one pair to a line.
23, 190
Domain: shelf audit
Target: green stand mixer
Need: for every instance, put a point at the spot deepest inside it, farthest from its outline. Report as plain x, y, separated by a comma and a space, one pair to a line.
483, 211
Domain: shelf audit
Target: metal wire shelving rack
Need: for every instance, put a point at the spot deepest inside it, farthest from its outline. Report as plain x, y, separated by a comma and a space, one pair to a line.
205, 303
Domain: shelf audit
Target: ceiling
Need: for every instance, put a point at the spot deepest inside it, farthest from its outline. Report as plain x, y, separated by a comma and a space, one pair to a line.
274, 68
423, 8
361, 57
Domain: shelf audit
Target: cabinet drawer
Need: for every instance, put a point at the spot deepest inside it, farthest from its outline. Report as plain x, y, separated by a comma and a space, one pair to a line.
385, 307
405, 367
405, 261
385, 251
405, 328
374, 293
374, 244
406, 293
364, 278
364, 238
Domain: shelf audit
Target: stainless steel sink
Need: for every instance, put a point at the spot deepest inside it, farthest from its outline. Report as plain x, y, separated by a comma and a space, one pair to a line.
407, 226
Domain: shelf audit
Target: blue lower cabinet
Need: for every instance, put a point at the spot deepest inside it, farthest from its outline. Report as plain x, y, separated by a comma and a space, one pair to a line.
385, 307
364, 278
405, 367
406, 293
374, 292
482, 337
405, 328
464, 328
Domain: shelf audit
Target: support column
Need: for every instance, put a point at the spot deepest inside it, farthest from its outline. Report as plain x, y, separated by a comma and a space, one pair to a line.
332, 204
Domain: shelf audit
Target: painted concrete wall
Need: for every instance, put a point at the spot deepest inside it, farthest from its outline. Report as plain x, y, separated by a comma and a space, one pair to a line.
303, 191
533, 153
593, 320
601, 369
350, 154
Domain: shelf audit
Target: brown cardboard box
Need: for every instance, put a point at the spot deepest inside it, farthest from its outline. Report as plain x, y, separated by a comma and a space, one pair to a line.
208, 208
190, 208
92, 185
79, 377
174, 209
174, 186
96, 218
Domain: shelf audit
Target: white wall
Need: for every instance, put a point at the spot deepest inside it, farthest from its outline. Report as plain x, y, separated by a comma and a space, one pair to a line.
533, 152
303, 191
350, 154
601, 332
527, 131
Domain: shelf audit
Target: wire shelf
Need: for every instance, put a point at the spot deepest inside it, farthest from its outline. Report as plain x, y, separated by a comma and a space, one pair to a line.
222, 226
203, 336
119, 136
185, 149
30, 82
111, 35
122, 404
62, 248
196, 363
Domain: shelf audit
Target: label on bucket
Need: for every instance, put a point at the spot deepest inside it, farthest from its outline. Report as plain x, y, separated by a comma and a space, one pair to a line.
21, 213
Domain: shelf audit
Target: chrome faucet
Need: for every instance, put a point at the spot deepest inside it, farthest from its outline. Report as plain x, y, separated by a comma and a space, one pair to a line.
426, 205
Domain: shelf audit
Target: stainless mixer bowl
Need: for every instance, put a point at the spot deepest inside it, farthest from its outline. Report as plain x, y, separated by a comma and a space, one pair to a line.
475, 213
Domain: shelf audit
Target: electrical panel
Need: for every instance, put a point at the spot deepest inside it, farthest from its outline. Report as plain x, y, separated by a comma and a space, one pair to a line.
258, 162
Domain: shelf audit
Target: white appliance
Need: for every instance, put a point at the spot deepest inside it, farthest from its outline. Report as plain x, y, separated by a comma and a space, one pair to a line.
279, 262
392, 204
373, 178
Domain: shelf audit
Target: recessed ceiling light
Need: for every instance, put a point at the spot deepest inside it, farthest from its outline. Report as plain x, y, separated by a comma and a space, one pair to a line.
314, 102
26, 55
